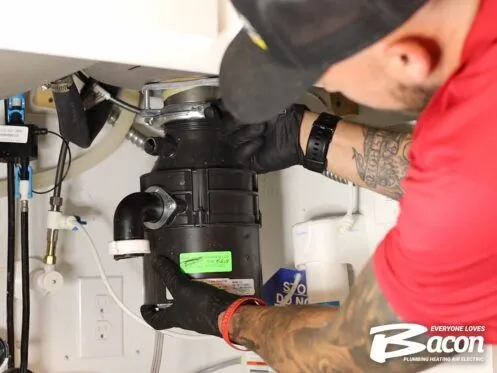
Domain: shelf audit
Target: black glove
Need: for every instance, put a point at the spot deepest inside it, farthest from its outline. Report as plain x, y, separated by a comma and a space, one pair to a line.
269, 146
196, 305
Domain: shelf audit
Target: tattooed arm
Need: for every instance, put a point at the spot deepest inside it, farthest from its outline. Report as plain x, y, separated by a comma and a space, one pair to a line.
376, 159
323, 339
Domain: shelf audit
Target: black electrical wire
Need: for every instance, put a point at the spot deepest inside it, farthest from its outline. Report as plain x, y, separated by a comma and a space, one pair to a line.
123, 104
60, 166
25, 288
11, 254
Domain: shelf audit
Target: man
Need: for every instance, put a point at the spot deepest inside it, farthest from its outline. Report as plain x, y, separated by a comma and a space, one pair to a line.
437, 266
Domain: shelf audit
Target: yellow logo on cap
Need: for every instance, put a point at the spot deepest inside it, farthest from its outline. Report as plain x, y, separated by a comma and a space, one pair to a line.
253, 34
257, 40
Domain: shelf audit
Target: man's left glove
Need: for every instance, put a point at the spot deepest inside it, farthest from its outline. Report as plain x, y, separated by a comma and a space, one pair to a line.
265, 147
196, 305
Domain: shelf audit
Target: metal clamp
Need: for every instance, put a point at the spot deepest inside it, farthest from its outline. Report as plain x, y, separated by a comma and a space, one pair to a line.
170, 113
61, 85
187, 84
170, 208
174, 112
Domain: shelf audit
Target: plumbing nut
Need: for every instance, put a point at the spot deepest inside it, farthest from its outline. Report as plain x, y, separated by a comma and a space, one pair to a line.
114, 114
170, 207
49, 260
56, 201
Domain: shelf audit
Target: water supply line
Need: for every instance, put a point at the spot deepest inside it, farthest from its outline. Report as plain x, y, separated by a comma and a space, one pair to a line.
61, 98
64, 99
11, 257
348, 220
26, 306
56, 201
157, 355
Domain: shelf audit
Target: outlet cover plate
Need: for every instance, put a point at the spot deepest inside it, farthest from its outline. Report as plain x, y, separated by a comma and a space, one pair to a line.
100, 318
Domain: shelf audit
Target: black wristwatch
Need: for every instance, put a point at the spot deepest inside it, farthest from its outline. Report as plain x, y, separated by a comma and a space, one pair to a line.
319, 141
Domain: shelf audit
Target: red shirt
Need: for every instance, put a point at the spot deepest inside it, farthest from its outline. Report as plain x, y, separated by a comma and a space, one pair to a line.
438, 265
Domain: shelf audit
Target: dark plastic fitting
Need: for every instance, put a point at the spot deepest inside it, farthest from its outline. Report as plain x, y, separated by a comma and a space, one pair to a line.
133, 211
77, 125
153, 145
164, 146
73, 124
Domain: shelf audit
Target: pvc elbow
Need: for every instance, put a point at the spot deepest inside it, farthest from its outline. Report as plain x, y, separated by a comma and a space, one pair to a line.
131, 215
132, 212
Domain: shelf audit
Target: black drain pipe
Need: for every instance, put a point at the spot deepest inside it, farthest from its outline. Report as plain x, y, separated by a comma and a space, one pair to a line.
132, 212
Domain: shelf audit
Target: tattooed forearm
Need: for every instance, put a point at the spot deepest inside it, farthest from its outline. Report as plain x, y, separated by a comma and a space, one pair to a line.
384, 160
323, 339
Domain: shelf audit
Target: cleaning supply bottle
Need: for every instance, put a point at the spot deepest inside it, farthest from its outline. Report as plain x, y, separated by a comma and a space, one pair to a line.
316, 250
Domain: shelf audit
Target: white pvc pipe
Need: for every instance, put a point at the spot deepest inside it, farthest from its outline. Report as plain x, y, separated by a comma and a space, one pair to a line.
96, 154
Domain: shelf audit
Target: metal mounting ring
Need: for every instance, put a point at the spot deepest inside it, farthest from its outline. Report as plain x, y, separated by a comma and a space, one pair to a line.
170, 207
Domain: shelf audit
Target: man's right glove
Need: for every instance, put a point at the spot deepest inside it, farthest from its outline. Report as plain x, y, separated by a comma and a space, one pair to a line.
269, 146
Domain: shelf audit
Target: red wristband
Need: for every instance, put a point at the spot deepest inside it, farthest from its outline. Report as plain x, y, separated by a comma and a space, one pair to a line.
228, 315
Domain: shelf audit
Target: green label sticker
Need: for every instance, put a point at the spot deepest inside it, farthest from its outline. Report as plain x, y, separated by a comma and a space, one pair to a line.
206, 262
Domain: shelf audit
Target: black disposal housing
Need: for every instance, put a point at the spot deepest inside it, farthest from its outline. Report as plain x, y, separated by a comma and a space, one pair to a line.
216, 236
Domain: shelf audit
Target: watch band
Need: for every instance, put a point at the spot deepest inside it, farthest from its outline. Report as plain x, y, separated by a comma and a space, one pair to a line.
319, 141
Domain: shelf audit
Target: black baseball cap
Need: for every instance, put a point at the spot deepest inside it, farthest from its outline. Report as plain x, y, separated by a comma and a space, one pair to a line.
286, 45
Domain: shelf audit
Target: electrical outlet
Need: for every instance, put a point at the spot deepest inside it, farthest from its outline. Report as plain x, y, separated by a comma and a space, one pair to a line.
101, 319
104, 304
103, 331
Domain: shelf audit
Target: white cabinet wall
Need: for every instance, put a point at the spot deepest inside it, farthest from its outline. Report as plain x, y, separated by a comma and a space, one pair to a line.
59, 37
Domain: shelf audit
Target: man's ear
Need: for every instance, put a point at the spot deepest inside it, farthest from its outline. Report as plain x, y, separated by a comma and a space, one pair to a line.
410, 61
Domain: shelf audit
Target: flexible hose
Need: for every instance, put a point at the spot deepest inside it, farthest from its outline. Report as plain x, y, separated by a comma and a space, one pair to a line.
25, 287
125, 105
348, 219
115, 137
158, 348
59, 173
332, 176
11, 253
352, 198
